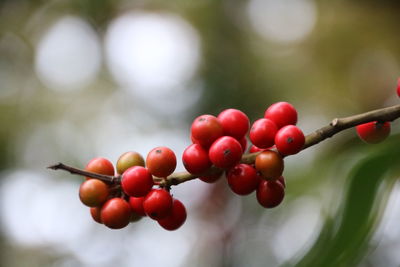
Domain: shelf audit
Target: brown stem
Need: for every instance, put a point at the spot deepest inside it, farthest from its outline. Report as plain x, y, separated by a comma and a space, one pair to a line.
336, 126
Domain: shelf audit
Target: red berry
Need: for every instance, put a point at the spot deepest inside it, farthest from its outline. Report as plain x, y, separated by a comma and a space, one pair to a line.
157, 204
254, 149
282, 113
211, 178
289, 140
398, 87
100, 166
263, 132
116, 213
195, 159
176, 218
225, 152
129, 159
269, 164
234, 123
242, 179
281, 179
93, 192
270, 193
161, 161
206, 129
96, 214
373, 132
243, 143
136, 204
137, 181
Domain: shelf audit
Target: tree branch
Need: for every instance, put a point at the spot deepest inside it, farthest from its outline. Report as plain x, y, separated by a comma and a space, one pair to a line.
336, 126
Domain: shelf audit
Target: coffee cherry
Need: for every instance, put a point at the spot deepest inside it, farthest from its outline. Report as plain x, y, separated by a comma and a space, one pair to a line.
242, 179
176, 218
282, 113
100, 166
269, 164
225, 152
206, 129
93, 192
373, 132
195, 159
243, 143
289, 140
129, 159
137, 181
234, 123
157, 204
161, 161
116, 213
254, 149
281, 179
398, 87
263, 132
270, 193
96, 214
136, 204
212, 178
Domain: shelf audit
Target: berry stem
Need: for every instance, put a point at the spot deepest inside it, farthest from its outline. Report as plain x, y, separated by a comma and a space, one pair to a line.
337, 125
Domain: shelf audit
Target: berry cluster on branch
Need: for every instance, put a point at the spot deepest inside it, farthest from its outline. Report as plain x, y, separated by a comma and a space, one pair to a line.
127, 194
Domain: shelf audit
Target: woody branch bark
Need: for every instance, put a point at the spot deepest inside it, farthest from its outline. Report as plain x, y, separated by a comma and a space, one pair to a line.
337, 125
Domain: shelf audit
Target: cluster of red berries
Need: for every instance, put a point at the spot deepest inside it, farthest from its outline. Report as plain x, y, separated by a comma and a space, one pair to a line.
116, 205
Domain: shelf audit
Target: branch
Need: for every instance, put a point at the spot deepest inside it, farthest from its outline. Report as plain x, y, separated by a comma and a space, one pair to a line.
336, 126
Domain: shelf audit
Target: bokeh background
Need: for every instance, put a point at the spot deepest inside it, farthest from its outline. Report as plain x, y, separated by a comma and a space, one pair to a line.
87, 78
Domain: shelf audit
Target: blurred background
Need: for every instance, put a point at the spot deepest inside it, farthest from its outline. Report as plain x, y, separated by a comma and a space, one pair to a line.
86, 78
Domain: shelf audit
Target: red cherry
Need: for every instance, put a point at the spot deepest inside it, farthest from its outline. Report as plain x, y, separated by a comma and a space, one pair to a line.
234, 123
176, 218
100, 166
289, 140
136, 204
206, 129
254, 149
116, 213
270, 193
242, 179
195, 159
137, 181
161, 161
282, 113
373, 132
281, 179
263, 132
243, 143
96, 214
157, 204
225, 152
93, 192
212, 178
398, 87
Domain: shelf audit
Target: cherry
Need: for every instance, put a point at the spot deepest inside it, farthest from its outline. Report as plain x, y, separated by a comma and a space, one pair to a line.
100, 166
289, 140
234, 123
243, 143
263, 132
373, 132
129, 159
136, 204
161, 161
211, 178
254, 149
116, 213
225, 152
281, 179
282, 113
242, 179
195, 159
93, 192
137, 181
157, 204
269, 164
270, 193
176, 218
96, 214
206, 129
